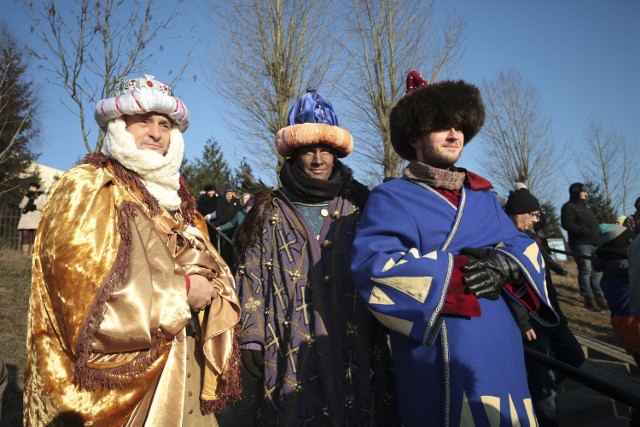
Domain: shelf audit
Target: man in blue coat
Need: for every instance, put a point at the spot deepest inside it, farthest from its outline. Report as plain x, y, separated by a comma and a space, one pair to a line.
436, 258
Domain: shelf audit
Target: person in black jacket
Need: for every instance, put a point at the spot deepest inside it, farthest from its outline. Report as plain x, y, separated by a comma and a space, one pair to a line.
207, 201
206, 205
582, 228
557, 341
226, 209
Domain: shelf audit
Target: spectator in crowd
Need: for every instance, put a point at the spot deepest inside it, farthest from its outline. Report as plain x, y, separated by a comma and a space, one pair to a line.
320, 356
244, 198
632, 222
436, 259
634, 277
227, 208
612, 260
557, 341
206, 205
582, 228
31, 205
207, 201
132, 315
237, 220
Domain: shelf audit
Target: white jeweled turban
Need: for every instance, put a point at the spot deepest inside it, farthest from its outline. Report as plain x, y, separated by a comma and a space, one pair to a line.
140, 96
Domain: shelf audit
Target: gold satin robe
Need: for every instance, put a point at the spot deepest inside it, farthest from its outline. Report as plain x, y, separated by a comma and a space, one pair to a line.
108, 309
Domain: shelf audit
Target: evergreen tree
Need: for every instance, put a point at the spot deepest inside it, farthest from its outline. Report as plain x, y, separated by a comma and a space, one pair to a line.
552, 226
244, 180
599, 205
17, 125
209, 169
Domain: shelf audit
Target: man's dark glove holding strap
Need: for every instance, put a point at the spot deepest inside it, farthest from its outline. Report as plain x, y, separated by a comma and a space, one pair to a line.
489, 272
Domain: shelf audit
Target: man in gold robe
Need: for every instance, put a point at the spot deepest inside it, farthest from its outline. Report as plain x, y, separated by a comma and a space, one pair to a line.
132, 311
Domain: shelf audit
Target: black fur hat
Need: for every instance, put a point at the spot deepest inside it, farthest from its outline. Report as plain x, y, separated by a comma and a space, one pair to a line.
431, 107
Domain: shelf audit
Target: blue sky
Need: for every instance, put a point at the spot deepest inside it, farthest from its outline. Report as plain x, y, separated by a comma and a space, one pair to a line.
582, 55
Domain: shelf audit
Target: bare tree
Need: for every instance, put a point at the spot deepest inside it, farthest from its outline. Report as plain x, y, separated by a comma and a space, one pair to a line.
391, 38
267, 53
90, 47
517, 134
609, 162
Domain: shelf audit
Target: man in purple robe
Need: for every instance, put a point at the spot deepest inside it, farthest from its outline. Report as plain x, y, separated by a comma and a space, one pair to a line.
321, 358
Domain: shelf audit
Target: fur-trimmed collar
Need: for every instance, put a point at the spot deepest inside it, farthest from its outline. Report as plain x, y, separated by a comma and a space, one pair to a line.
132, 180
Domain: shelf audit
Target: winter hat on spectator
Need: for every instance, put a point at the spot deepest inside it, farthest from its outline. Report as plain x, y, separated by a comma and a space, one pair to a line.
614, 235
576, 188
431, 107
228, 189
313, 121
140, 96
637, 204
521, 201
34, 184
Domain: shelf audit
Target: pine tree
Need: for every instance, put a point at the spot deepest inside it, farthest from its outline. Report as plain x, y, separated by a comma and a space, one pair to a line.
17, 124
599, 205
244, 180
552, 225
209, 169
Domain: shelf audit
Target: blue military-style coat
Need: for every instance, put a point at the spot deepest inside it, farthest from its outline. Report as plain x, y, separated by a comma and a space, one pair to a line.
450, 370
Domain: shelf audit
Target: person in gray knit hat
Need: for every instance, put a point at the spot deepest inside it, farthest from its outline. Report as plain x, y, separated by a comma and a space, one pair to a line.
612, 259
436, 258
582, 229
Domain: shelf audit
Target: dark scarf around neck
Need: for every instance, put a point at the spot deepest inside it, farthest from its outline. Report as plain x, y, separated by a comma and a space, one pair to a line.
310, 189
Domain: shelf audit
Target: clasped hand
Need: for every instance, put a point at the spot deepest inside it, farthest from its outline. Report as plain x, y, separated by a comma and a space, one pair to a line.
488, 272
201, 292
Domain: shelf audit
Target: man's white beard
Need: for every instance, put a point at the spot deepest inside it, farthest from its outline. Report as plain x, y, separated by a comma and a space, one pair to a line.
161, 174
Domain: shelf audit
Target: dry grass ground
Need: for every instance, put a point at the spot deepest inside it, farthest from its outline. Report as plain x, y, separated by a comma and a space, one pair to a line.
595, 325
15, 280
15, 286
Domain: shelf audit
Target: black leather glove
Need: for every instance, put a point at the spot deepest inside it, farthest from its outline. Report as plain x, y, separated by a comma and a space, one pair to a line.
253, 361
485, 277
558, 269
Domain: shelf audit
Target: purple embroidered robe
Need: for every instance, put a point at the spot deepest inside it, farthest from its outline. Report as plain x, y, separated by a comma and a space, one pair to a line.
327, 360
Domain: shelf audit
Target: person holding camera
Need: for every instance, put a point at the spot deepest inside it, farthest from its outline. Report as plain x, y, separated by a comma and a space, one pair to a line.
31, 205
